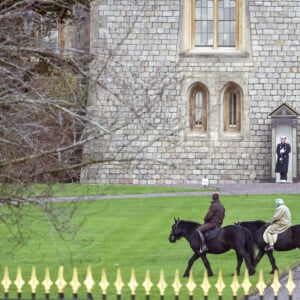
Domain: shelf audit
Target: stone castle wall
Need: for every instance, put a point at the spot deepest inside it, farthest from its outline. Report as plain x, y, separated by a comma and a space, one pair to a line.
143, 97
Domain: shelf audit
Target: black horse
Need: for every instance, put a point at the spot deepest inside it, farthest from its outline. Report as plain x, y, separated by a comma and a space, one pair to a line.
228, 237
288, 240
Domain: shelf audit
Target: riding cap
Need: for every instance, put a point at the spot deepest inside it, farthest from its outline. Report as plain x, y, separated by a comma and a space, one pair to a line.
215, 196
278, 202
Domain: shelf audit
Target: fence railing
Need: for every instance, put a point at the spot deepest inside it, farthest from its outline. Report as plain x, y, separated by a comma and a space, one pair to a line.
89, 284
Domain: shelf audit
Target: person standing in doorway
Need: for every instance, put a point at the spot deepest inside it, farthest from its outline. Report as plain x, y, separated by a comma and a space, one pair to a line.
283, 149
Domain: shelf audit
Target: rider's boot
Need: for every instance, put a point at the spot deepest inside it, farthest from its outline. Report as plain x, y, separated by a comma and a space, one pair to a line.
269, 248
203, 247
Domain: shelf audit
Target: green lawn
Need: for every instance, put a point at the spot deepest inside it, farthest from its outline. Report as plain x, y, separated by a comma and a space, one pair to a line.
133, 234
70, 190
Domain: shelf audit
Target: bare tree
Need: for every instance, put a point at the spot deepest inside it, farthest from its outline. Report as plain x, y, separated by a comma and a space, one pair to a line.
44, 118
43, 93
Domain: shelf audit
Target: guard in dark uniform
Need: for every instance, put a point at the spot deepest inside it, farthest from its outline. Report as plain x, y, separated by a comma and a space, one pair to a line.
283, 149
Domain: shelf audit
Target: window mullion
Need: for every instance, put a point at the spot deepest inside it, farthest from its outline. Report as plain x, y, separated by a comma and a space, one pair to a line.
192, 23
238, 24
215, 24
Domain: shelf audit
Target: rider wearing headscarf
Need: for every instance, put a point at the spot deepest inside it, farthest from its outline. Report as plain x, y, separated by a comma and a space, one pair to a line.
213, 218
280, 222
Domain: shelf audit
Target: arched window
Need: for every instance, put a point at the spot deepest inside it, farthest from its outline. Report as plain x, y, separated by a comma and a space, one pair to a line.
198, 107
232, 108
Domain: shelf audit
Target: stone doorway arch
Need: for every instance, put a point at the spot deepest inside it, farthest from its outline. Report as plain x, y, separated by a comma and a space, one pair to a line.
284, 122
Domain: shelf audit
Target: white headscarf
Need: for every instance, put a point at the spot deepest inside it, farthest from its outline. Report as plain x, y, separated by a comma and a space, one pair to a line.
278, 202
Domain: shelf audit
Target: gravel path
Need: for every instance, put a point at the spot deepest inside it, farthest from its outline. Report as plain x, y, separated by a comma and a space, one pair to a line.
261, 188
230, 189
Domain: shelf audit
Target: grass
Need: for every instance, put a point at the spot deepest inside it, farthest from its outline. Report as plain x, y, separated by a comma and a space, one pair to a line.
70, 190
133, 234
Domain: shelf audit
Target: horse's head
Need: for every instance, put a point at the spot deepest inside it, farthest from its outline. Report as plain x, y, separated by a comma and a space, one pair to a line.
175, 231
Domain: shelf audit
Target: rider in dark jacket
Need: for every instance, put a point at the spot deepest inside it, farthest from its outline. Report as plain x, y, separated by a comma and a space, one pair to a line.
214, 218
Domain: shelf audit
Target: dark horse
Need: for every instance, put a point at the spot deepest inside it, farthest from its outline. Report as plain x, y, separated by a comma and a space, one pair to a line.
228, 237
288, 240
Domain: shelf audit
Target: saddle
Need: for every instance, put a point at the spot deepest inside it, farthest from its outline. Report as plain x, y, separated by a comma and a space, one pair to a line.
212, 233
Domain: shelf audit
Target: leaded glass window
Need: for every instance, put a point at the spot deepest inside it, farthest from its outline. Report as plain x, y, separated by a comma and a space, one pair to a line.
215, 23
198, 107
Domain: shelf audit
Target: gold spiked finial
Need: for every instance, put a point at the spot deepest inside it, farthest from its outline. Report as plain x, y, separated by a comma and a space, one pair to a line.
132, 283
162, 283
75, 284
235, 285
147, 283
276, 284
220, 284
119, 283
33, 282
19, 282
205, 284
104, 284
261, 284
191, 285
290, 286
6, 282
60, 282
89, 281
47, 281
176, 284
246, 283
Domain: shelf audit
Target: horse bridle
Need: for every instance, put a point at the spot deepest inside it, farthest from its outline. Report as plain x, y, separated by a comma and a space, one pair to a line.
174, 227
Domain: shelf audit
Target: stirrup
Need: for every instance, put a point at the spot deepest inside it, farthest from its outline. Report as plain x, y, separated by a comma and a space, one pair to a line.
203, 249
269, 248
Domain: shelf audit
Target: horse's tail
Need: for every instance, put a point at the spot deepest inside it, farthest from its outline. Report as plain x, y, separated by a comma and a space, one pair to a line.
250, 245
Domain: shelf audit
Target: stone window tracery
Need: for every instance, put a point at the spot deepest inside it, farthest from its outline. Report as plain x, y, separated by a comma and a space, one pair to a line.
215, 23
214, 26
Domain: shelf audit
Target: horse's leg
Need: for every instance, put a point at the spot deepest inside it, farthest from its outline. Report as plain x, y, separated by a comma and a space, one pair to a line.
272, 262
190, 263
242, 254
239, 258
207, 265
259, 256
